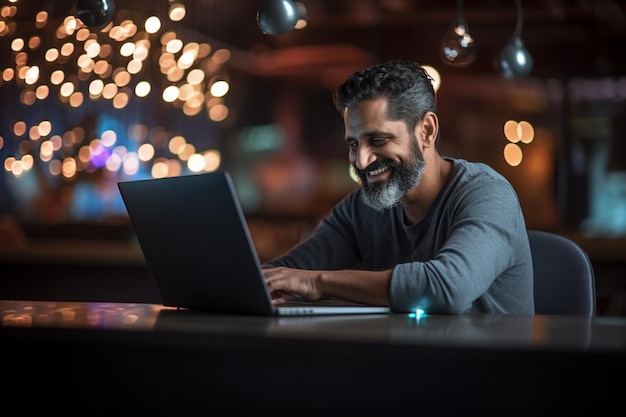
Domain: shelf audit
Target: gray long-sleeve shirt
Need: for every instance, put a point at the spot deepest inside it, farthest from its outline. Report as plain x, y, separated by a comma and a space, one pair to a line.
469, 253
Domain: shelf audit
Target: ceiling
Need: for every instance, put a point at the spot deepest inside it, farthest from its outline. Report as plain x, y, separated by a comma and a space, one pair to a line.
566, 38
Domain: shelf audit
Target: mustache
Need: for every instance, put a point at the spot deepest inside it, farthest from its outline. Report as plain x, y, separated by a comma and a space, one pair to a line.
373, 167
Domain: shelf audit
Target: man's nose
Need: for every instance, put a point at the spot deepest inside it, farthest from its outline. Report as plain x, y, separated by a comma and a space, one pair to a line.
364, 157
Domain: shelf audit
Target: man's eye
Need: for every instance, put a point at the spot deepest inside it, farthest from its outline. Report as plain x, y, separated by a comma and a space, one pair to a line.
377, 141
353, 146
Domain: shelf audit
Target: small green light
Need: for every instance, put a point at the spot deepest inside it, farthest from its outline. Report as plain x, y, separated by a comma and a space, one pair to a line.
419, 313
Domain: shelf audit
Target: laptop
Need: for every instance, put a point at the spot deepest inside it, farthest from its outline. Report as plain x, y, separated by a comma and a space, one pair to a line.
199, 251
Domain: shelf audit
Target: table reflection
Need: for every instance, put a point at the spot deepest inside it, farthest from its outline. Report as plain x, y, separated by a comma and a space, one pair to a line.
78, 314
534, 332
472, 330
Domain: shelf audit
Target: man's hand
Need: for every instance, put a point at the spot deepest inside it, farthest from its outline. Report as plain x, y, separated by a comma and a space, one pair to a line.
287, 283
365, 287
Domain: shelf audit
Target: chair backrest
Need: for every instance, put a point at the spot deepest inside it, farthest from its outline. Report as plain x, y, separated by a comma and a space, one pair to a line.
564, 277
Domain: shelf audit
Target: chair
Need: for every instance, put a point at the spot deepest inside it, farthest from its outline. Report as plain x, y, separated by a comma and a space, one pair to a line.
564, 277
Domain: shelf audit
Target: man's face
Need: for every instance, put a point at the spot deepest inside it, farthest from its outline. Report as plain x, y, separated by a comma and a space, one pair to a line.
385, 155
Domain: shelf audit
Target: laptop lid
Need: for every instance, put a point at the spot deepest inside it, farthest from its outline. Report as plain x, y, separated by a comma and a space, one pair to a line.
196, 243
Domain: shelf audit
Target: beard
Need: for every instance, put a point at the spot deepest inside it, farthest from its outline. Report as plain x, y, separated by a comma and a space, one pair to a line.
387, 194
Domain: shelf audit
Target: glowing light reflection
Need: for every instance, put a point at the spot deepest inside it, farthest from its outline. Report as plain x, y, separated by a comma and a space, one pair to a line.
418, 314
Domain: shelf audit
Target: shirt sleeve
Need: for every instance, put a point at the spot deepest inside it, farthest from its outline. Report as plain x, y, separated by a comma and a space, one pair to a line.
480, 230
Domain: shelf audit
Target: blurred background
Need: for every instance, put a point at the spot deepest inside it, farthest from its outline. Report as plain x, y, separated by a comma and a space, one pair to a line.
93, 92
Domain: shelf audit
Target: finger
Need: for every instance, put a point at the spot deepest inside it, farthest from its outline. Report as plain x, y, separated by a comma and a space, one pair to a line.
279, 300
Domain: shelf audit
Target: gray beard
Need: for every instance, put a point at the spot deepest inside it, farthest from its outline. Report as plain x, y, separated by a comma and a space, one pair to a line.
385, 195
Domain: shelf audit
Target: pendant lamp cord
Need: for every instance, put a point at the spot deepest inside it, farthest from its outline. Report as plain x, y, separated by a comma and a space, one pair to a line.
520, 19
459, 11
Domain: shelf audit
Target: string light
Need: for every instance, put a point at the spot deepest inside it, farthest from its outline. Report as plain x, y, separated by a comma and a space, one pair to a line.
516, 133
177, 11
77, 59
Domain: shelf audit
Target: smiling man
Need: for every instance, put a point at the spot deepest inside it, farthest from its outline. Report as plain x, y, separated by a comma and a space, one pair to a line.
422, 231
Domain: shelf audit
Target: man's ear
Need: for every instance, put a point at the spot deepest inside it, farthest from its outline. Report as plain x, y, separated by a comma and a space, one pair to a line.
428, 129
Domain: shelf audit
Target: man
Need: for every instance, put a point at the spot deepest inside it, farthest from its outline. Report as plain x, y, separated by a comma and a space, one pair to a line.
423, 231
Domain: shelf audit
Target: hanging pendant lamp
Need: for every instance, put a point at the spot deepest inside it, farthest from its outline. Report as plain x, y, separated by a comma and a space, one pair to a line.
457, 46
514, 60
95, 14
276, 17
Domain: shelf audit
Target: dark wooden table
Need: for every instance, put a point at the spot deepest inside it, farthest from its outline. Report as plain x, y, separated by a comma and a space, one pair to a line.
89, 358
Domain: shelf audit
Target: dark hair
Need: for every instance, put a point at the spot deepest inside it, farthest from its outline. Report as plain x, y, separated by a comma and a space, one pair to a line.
405, 84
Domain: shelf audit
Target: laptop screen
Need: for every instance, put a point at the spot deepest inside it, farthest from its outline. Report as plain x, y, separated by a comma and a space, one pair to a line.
198, 248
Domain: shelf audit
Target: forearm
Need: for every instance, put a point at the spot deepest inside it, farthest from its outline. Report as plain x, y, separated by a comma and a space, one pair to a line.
367, 287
